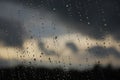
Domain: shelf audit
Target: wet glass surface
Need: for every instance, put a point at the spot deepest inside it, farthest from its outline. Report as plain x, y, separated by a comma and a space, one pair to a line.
59, 39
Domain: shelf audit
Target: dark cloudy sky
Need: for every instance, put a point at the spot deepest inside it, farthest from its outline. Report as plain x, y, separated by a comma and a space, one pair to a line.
66, 33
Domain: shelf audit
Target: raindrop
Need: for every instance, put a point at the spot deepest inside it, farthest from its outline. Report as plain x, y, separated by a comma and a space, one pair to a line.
54, 9
34, 59
55, 37
88, 23
67, 5
105, 24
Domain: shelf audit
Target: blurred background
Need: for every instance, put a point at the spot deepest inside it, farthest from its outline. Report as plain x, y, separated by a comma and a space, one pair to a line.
59, 39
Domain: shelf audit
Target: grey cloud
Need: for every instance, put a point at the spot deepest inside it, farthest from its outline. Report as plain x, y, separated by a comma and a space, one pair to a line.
11, 32
102, 52
93, 11
4, 63
103, 15
46, 50
8, 63
72, 47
